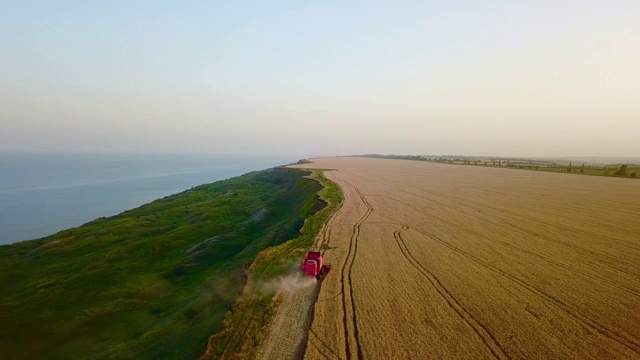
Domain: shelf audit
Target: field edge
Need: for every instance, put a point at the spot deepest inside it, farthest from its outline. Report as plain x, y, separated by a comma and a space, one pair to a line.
247, 323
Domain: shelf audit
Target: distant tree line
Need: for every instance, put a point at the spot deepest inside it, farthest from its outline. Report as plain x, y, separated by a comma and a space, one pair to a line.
623, 171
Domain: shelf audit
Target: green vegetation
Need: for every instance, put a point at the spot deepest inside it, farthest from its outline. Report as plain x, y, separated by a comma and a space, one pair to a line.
246, 324
618, 170
152, 282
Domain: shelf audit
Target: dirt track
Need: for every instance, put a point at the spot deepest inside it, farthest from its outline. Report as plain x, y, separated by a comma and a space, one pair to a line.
444, 261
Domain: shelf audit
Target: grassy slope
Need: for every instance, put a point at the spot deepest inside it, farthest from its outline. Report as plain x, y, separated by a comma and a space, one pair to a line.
246, 324
138, 284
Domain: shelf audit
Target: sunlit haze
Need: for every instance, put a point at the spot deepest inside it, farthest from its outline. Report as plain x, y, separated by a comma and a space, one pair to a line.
511, 78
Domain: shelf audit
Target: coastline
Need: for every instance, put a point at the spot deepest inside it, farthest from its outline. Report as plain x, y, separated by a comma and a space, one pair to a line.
43, 194
157, 279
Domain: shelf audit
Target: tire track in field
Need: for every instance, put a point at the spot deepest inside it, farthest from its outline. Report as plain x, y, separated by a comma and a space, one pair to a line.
348, 301
325, 346
485, 335
513, 214
628, 341
559, 264
573, 315
623, 339
528, 252
319, 350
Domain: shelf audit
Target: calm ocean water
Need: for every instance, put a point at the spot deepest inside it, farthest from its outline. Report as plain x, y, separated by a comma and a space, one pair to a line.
43, 194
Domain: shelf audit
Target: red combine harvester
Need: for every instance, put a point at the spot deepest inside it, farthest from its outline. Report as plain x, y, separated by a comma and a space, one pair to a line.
312, 265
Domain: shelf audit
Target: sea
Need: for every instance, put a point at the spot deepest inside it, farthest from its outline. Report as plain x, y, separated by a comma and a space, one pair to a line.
41, 194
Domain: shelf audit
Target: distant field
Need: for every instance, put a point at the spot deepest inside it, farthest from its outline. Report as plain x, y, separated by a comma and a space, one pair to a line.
474, 262
619, 167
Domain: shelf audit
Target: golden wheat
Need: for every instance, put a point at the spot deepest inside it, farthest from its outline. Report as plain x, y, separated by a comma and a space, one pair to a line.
445, 261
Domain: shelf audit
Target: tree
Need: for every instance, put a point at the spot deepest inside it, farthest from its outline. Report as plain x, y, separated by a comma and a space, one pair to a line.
569, 168
622, 171
582, 169
633, 174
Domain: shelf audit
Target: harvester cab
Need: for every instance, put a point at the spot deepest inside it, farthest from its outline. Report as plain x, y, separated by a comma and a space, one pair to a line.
312, 265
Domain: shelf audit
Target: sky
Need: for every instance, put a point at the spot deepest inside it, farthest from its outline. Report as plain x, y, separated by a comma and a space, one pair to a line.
321, 78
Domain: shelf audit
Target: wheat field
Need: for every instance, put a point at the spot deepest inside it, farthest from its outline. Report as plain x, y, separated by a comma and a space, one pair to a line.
434, 261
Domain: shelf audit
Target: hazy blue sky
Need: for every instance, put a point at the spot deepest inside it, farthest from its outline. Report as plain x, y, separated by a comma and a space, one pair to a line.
518, 78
